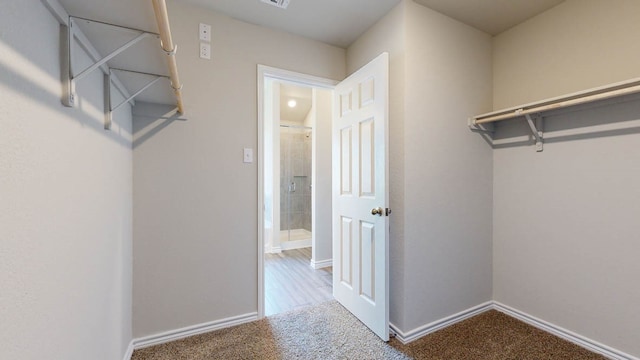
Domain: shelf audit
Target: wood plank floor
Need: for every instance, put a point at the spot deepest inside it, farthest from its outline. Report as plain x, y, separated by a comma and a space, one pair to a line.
291, 283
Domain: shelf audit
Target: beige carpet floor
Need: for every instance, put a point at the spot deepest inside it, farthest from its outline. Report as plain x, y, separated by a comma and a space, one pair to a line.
328, 331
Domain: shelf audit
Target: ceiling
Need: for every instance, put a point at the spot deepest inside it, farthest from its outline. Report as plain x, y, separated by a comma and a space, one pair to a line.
490, 16
348, 19
341, 22
302, 96
335, 22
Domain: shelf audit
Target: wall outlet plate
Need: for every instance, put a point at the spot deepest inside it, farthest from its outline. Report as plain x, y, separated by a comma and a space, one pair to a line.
205, 51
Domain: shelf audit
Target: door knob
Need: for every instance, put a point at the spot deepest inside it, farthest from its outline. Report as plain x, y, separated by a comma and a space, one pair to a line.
377, 211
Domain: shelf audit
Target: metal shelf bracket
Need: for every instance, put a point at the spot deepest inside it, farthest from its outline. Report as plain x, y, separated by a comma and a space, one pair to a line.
536, 123
69, 91
73, 36
108, 98
70, 79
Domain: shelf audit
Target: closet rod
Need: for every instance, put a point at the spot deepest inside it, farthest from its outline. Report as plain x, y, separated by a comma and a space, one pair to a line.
601, 93
162, 18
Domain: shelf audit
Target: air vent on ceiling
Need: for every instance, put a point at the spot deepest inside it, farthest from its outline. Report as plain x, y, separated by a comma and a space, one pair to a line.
279, 3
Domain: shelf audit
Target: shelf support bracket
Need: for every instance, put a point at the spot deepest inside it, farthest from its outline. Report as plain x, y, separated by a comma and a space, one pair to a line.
68, 55
536, 129
69, 88
113, 54
108, 99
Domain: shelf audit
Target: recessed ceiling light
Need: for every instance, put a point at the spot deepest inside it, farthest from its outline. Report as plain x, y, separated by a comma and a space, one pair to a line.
292, 103
279, 3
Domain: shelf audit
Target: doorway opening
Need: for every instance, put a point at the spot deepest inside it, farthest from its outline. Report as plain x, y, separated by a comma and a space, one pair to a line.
357, 184
295, 245
295, 181
290, 211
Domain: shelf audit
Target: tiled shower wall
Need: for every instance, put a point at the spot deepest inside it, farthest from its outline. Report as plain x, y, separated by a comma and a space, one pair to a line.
295, 166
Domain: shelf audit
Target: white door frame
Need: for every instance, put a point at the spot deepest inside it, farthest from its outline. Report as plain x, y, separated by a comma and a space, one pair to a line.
289, 77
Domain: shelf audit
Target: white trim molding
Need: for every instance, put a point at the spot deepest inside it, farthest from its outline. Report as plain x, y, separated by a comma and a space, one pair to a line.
291, 77
274, 250
321, 263
582, 341
295, 244
129, 353
565, 334
409, 336
403, 337
177, 334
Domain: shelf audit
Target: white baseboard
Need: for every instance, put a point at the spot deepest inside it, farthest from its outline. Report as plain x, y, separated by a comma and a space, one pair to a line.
295, 244
591, 345
407, 337
321, 264
129, 353
403, 337
274, 250
564, 333
177, 334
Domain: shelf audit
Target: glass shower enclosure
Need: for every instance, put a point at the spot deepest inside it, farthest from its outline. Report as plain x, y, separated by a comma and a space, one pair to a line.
295, 186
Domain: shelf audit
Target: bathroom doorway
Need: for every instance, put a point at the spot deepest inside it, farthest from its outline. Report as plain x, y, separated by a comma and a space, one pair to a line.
295, 191
292, 119
295, 181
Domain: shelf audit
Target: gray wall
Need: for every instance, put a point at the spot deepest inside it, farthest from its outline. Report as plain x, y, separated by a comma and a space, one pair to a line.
448, 184
321, 195
65, 195
566, 229
196, 205
564, 221
577, 45
441, 173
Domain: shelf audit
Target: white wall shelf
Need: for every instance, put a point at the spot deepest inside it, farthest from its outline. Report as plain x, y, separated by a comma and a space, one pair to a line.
534, 112
97, 44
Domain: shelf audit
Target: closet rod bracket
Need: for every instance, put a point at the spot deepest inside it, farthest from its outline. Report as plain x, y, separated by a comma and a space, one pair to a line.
480, 128
171, 52
536, 124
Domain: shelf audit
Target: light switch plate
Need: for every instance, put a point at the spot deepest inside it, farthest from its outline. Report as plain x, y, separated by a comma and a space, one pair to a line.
247, 155
205, 32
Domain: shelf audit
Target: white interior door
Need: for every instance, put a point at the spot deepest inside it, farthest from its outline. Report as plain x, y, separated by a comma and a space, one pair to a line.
360, 195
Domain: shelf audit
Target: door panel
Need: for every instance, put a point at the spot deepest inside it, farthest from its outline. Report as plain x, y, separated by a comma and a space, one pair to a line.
367, 261
345, 252
367, 159
360, 153
345, 161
